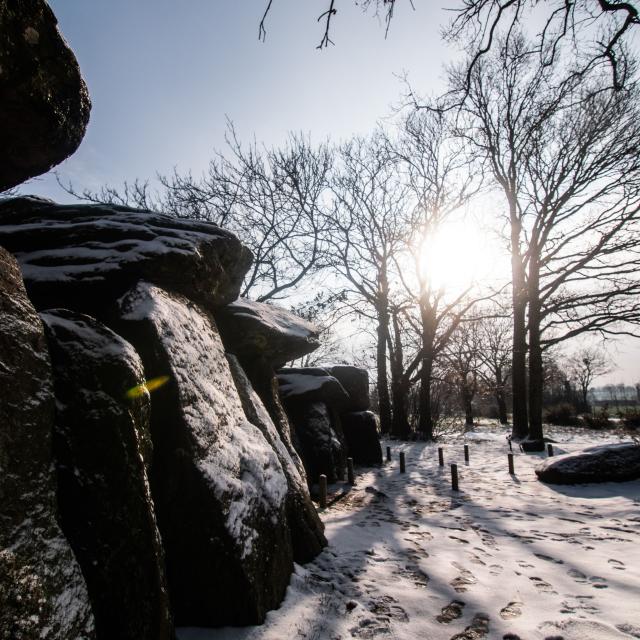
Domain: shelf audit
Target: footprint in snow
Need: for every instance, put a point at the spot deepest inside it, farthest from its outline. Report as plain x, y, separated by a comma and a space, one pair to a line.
617, 564
512, 610
548, 558
632, 630
541, 585
464, 580
479, 628
451, 612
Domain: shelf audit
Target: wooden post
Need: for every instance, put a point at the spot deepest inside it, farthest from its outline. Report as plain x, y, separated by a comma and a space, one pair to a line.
402, 462
323, 491
511, 470
440, 457
454, 477
388, 454
510, 447
466, 453
350, 475
549, 449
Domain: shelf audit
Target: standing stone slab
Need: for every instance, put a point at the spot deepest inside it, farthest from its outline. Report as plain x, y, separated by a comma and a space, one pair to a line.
42, 592
44, 103
101, 440
219, 488
361, 434
306, 527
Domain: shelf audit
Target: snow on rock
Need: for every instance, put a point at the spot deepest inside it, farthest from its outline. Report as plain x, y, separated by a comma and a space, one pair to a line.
102, 447
219, 487
616, 462
44, 103
307, 535
42, 592
83, 256
256, 330
506, 557
312, 384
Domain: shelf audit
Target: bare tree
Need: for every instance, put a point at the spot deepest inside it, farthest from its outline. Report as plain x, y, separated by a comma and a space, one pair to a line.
565, 156
366, 229
595, 30
463, 358
584, 366
271, 198
494, 334
438, 176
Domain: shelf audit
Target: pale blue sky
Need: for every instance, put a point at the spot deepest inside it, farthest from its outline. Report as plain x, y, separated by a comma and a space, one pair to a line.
164, 74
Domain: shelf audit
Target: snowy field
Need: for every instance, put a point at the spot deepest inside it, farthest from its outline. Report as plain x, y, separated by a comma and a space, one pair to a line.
505, 557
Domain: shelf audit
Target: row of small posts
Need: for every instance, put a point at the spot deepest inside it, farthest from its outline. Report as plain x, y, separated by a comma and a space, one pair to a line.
403, 468
351, 479
454, 467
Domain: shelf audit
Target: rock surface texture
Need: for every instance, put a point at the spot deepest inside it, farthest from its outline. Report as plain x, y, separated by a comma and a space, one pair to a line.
360, 430
255, 330
307, 535
42, 592
320, 405
44, 103
355, 382
617, 462
101, 442
83, 257
219, 488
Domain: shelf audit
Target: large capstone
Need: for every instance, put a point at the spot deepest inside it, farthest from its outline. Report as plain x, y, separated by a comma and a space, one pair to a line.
219, 488
42, 592
85, 256
253, 330
44, 103
306, 527
306, 385
101, 447
617, 462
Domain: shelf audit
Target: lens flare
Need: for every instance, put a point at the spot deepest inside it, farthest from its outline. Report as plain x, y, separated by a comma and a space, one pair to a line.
147, 387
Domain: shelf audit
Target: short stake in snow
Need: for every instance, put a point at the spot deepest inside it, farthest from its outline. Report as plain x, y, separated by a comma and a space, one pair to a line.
510, 447
466, 453
440, 457
510, 458
350, 476
388, 454
323, 491
454, 477
549, 449
402, 462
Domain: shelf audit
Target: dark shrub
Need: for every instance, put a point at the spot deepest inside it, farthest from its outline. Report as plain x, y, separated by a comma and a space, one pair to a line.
631, 419
596, 420
561, 414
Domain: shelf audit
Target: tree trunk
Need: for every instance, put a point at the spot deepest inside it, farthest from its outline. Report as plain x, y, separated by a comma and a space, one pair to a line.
535, 353
425, 417
384, 402
467, 398
400, 427
520, 426
499, 394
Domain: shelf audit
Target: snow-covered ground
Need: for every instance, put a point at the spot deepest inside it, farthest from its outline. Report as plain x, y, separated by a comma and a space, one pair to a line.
505, 557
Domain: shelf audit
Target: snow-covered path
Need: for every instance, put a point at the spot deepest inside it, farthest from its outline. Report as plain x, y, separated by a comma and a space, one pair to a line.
505, 557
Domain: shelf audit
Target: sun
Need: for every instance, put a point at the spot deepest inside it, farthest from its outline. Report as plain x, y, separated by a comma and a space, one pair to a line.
461, 255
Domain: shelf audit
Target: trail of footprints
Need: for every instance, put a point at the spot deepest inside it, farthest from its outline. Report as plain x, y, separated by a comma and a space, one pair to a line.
376, 614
